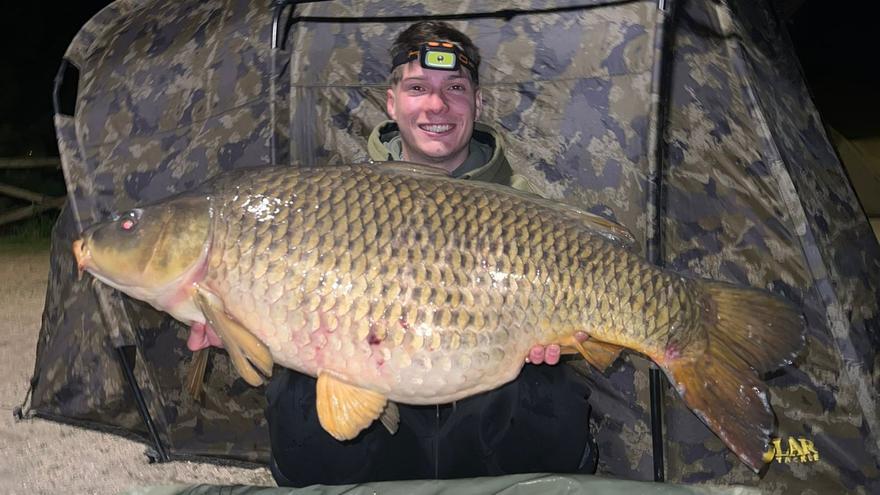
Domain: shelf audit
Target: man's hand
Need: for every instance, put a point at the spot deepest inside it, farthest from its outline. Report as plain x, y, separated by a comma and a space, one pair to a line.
540, 354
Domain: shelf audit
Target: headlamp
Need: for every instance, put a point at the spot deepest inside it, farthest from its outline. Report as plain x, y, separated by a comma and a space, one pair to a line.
437, 55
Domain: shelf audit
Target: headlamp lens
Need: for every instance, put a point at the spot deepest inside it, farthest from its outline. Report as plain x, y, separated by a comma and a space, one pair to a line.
437, 59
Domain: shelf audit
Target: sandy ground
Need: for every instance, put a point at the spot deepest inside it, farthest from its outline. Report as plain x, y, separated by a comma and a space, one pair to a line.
38, 456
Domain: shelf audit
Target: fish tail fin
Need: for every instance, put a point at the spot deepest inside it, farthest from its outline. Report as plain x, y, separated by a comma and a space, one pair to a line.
749, 332
764, 330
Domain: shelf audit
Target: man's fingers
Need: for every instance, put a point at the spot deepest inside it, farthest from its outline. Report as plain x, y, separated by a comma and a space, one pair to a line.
202, 336
197, 338
544, 355
536, 355
552, 353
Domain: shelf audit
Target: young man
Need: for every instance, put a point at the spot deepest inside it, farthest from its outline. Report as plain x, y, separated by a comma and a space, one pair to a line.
537, 423
433, 112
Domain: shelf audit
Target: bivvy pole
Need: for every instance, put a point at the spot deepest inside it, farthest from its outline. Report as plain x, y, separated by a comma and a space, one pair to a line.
655, 201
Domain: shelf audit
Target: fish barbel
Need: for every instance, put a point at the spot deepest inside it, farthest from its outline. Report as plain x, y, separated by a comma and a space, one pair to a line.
394, 282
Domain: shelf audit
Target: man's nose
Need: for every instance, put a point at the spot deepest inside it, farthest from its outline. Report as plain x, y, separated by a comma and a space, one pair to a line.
436, 102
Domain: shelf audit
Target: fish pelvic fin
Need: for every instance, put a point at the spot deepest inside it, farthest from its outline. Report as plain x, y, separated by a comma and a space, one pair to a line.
599, 354
195, 377
749, 332
247, 353
344, 410
390, 417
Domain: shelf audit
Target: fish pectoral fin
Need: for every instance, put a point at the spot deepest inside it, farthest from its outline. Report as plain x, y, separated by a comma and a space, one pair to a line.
344, 410
245, 350
390, 417
599, 354
196, 375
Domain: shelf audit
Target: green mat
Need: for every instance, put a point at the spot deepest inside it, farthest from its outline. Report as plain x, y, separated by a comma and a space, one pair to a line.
519, 484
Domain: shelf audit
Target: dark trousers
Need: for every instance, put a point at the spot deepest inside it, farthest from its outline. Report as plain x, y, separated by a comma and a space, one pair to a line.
537, 423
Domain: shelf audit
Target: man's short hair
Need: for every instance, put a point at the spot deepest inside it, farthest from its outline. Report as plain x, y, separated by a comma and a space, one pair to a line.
424, 31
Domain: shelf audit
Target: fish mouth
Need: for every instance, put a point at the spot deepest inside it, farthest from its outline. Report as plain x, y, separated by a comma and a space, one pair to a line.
437, 128
82, 255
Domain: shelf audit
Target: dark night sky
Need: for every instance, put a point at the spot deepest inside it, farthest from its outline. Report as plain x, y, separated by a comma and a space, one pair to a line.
838, 44
835, 42
34, 36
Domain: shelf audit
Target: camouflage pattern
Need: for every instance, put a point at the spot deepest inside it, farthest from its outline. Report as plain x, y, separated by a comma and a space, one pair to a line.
773, 209
171, 92
156, 114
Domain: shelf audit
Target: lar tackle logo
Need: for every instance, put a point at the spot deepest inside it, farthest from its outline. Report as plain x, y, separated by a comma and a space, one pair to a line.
792, 449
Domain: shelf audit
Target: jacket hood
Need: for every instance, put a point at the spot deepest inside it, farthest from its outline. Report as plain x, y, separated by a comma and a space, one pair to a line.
485, 161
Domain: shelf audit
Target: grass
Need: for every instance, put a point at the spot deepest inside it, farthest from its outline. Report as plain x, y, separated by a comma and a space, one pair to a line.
28, 235
33, 233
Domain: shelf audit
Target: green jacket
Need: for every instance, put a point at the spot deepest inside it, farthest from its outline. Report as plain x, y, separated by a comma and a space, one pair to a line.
485, 162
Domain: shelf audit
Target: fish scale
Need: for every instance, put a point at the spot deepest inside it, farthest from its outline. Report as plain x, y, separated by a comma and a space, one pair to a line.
387, 292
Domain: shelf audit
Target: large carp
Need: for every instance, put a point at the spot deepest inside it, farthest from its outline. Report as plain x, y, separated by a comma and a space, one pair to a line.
395, 282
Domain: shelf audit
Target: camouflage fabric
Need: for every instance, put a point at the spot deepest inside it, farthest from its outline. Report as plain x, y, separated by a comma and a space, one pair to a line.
156, 114
172, 92
756, 196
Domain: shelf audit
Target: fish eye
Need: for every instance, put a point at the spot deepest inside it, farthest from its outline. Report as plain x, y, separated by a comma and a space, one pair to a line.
128, 221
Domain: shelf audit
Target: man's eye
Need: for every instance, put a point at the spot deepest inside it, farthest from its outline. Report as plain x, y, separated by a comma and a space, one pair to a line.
457, 87
416, 88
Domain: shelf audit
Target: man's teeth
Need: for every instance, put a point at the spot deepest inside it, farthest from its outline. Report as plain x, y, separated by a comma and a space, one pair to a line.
437, 127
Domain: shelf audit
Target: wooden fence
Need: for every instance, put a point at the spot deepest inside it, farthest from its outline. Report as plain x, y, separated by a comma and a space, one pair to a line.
38, 202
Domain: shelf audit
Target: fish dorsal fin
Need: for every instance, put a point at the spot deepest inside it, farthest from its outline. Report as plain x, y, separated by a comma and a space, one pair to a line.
245, 350
607, 228
344, 410
408, 168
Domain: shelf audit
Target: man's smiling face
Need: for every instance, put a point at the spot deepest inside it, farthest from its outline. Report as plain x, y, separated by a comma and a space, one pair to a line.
435, 111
